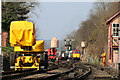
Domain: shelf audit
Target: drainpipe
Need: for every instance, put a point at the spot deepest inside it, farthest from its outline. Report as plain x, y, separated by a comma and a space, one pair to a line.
119, 55
112, 51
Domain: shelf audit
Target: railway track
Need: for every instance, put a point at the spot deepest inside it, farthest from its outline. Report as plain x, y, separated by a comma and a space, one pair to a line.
8, 75
53, 74
50, 74
13, 71
87, 72
98, 73
78, 72
65, 71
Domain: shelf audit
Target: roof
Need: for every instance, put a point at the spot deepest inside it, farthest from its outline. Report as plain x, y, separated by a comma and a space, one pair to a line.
111, 18
54, 39
76, 50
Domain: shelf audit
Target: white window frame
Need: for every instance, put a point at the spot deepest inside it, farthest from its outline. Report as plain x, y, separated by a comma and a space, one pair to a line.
118, 29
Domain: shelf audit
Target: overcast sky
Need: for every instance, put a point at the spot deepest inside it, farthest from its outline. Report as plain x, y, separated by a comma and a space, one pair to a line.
58, 19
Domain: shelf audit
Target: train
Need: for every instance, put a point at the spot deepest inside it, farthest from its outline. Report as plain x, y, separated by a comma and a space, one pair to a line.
29, 53
71, 55
52, 54
76, 54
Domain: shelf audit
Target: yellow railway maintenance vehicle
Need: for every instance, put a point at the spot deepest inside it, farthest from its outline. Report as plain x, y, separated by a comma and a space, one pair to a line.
29, 52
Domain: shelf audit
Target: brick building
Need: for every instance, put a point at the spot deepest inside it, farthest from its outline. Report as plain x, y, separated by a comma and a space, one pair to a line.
113, 32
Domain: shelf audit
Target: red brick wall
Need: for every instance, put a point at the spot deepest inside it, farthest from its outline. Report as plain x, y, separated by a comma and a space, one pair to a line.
4, 36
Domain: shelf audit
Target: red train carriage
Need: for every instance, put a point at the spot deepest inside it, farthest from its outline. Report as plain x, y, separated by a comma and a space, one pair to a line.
52, 53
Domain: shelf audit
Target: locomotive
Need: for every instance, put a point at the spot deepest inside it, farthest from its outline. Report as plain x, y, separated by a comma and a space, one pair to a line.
52, 54
29, 52
76, 54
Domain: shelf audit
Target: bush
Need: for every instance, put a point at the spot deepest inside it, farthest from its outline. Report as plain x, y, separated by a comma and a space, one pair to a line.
7, 50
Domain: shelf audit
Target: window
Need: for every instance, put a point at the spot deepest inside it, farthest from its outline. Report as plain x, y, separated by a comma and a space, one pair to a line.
115, 29
115, 40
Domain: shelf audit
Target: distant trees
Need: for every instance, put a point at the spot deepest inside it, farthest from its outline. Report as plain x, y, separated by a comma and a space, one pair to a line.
94, 30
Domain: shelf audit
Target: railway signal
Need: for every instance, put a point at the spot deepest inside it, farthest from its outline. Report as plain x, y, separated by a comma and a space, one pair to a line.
68, 45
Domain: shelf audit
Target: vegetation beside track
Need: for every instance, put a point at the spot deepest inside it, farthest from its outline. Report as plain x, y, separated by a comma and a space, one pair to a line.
7, 50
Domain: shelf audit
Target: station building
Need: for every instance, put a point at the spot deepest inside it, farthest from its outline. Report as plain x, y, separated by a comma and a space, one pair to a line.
113, 32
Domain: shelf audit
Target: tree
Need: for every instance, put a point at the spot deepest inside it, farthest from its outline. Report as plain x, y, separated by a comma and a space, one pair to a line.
94, 29
12, 11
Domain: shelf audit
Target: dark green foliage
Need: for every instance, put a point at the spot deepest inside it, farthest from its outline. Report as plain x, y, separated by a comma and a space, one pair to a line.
14, 11
7, 50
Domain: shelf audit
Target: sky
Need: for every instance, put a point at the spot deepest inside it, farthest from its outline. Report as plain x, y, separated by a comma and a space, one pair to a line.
58, 19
